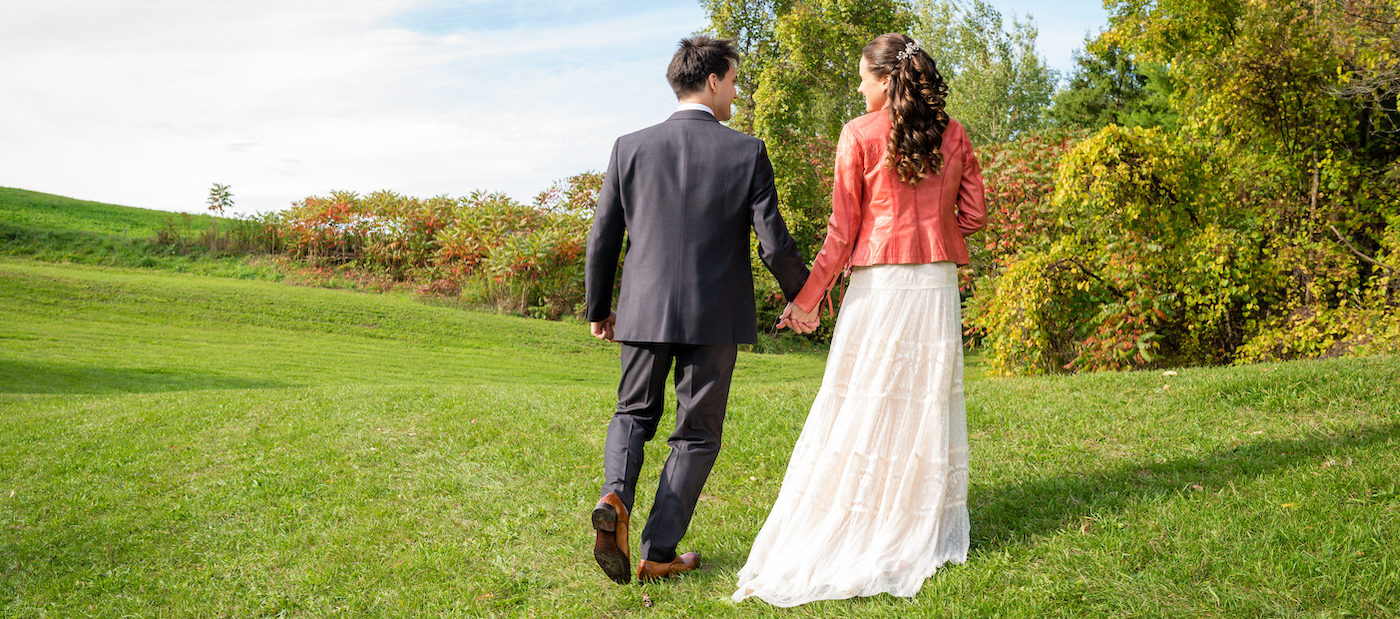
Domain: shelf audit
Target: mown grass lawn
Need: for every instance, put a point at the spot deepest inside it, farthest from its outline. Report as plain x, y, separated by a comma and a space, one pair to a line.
43, 211
174, 445
50, 228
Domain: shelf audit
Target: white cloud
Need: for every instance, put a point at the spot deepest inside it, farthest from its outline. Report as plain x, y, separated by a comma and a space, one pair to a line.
149, 103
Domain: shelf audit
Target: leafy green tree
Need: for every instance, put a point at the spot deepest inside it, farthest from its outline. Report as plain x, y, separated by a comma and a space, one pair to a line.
804, 95
797, 87
1265, 224
749, 25
1108, 88
220, 199
999, 86
1369, 40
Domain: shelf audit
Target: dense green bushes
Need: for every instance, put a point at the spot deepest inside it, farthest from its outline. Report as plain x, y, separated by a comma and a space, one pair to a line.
487, 247
1220, 182
1142, 263
1250, 214
1265, 226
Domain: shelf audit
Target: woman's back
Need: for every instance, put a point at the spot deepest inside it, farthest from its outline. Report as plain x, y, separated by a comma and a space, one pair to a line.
877, 218
903, 223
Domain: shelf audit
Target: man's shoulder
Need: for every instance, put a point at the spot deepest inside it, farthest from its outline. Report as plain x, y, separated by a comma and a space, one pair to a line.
710, 128
636, 136
734, 141
683, 125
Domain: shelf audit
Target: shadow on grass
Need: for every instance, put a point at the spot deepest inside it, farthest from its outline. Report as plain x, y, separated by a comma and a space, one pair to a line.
1012, 514
19, 377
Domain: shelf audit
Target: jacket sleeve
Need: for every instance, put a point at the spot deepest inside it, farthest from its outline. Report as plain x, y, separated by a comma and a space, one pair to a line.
604, 246
775, 245
972, 196
848, 189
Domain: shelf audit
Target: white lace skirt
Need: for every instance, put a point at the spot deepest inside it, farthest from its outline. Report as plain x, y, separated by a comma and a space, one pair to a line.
875, 495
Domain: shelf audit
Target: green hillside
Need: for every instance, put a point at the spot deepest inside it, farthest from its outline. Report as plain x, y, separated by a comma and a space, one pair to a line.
53, 228
42, 211
176, 445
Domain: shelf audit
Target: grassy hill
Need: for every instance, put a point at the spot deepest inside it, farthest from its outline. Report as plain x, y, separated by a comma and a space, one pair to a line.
42, 211
53, 228
184, 446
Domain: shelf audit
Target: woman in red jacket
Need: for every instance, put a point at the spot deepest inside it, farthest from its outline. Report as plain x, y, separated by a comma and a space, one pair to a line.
874, 499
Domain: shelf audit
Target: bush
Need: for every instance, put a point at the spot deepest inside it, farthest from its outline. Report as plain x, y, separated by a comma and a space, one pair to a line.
1133, 260
485, 247
1156, 249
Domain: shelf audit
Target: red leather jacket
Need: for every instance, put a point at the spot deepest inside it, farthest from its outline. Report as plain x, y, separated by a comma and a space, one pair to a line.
876, 219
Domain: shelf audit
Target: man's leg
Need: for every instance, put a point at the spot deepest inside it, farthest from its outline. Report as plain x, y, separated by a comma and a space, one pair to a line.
641, 398
703, 375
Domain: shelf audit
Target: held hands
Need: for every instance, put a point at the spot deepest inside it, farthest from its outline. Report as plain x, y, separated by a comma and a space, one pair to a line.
802, 322
793, 318
603, 330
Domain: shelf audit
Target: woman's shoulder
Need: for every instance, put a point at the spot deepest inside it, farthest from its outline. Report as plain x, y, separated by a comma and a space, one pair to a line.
955, 137
869, 122
955, 128
959, 132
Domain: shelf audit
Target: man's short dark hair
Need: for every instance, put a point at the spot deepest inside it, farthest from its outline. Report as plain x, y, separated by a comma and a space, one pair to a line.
699, 57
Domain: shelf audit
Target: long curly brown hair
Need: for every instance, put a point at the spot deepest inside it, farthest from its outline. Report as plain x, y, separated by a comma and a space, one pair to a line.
917, 95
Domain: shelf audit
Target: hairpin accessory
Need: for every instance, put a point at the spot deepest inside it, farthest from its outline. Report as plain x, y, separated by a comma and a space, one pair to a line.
909, 50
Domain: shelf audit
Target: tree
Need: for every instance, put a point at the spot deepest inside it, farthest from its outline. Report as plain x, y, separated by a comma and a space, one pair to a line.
1368, 36
1108, 88
798, 78
797, 87
220, 198
999, 86
749, 25
1264, 224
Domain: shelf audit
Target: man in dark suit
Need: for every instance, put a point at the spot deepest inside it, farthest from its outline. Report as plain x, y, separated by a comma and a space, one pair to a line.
686, 192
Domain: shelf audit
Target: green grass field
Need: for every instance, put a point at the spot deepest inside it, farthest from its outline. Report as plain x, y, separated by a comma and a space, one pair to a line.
56, 229
175, 445
31, 209
179, 445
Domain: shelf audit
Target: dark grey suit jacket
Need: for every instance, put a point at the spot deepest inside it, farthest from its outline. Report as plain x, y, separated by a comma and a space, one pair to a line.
687, 192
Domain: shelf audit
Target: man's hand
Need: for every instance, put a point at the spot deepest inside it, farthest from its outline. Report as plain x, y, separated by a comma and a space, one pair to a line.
604, 330
802, 322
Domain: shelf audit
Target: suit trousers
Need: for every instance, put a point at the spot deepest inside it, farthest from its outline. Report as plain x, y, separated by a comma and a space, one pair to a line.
702, 377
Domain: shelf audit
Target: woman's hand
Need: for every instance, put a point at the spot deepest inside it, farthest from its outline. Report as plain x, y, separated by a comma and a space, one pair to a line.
802, 322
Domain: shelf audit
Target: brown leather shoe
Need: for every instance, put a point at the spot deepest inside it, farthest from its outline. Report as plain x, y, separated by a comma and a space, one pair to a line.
653, 570
610, 549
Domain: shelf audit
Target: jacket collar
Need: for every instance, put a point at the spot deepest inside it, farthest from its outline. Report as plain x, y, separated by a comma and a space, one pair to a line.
692, 115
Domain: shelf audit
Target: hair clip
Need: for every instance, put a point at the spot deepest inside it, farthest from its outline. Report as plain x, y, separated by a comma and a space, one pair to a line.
909, 50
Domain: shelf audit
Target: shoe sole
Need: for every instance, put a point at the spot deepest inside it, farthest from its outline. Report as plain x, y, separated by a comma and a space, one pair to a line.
610, 557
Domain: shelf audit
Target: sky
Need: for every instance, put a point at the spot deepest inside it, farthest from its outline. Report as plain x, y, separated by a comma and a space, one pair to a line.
150, 102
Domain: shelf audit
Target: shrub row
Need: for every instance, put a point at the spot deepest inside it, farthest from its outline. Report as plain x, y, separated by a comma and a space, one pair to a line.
1146, 248
486, 247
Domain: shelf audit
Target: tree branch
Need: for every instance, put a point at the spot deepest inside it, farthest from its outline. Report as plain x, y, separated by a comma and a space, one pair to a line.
1085, 270
1356, 251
